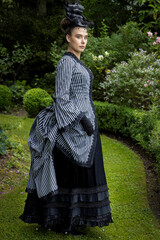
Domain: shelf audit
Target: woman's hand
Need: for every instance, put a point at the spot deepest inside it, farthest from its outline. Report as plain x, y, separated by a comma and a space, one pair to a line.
87, 125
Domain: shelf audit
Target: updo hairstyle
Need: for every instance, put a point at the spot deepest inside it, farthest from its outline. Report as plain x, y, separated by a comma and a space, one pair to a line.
67, 26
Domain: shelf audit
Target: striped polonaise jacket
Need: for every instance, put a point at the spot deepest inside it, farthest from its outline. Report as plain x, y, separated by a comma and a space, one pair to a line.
59, 125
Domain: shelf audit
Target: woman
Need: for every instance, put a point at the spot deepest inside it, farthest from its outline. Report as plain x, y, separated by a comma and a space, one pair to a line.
67, 188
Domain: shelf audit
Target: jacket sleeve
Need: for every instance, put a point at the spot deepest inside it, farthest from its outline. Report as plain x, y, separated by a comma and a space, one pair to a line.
66, 110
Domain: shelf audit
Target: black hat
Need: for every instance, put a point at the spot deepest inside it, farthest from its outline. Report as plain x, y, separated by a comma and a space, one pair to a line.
74, 14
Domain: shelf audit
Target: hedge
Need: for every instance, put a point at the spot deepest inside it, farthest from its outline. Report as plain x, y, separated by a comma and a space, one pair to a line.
5, 97
139, 125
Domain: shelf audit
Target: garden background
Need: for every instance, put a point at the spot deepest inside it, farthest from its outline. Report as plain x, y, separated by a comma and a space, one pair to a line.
123, 52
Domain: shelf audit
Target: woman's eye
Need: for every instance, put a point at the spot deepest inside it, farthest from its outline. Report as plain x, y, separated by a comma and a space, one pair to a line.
81, 37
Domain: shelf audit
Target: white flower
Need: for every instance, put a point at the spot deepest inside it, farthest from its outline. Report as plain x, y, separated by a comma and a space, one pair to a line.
107, 53
94, 57
107, 71
100, 57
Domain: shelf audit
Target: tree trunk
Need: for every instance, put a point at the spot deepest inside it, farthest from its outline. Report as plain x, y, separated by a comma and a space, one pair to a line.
42, 9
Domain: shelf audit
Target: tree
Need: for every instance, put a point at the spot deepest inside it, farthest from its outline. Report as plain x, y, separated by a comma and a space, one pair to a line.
42, 8
149, 15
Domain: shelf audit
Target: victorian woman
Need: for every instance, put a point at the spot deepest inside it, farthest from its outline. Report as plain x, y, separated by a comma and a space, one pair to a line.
67, 188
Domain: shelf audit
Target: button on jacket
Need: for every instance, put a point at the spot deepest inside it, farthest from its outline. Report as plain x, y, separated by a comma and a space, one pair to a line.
60, 125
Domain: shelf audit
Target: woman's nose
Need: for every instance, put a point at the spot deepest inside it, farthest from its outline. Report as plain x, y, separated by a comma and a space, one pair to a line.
83, 40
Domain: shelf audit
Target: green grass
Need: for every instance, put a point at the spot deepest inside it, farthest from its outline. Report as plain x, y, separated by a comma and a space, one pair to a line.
126, 179
19, 127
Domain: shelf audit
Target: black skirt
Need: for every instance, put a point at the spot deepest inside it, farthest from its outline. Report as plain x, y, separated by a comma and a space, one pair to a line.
82, 199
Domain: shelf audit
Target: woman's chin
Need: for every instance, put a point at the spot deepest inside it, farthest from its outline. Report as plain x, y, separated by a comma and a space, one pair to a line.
82, 49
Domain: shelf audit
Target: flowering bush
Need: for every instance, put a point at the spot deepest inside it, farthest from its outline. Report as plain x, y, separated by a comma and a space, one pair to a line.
98, 61
104, 52
134, 83
154, 42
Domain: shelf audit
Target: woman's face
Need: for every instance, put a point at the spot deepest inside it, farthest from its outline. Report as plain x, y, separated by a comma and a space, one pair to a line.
78, 39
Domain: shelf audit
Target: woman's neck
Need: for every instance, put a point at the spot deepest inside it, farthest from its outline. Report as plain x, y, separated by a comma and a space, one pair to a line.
77, 54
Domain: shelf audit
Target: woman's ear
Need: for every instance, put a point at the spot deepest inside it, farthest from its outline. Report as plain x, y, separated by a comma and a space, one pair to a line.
68, 38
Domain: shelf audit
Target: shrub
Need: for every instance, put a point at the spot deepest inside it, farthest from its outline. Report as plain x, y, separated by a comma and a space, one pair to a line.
5, 97
154, 143
134, 123
35, 100
47, 82
18, 92
139, 125
134, 83
154, 42
3, 141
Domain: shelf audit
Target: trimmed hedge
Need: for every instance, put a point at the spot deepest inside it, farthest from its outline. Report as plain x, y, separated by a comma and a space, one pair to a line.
139, 125
5, 97
35, 100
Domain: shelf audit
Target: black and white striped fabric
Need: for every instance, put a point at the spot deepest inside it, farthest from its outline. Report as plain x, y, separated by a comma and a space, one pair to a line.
60, 125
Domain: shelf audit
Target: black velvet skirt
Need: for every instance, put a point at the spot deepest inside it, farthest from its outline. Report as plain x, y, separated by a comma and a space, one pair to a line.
82, 199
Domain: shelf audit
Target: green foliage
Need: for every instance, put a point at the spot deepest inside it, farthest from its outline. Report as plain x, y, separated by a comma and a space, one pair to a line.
139, 125
18, 154
128, 38
18, 58
6, 143
56, 52
18, 92
134, 83
149, 15
102, 53
113, 13
35, 31
154, 43
5, 62
3, 141
154, 142
47, 82
25, 24
12, 63
5, 97
35, 100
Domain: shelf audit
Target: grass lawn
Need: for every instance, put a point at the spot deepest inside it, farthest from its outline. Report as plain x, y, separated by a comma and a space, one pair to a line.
126, 179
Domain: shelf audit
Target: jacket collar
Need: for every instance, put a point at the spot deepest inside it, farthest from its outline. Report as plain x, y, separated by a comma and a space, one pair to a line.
79, 61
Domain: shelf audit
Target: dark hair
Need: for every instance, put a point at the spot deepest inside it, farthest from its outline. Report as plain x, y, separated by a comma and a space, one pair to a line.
67, 26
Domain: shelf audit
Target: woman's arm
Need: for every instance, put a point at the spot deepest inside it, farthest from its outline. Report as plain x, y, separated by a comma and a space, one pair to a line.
66, 110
